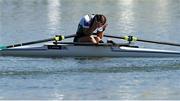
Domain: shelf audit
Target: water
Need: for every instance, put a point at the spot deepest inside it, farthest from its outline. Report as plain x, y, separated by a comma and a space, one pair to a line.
89, 78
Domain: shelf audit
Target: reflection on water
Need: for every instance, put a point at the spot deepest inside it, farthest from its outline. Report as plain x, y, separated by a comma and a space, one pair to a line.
126, 16
89, 78
85, 65
54, 15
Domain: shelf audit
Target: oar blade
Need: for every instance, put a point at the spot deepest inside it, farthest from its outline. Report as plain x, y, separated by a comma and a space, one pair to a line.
2, 47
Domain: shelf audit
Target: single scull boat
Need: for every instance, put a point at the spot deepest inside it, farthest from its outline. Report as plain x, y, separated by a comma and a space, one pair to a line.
68, 49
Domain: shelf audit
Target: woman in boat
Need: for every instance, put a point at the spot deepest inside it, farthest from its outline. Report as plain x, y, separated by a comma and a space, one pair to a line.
91, 28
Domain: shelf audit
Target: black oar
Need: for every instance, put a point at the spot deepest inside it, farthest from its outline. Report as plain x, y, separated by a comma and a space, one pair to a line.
131, 38
56, 38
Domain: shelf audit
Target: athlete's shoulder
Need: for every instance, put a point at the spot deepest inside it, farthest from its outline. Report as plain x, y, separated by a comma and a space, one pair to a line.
85, 21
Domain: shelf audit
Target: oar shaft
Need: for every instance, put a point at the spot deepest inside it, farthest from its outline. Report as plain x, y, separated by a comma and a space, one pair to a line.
29, 43
40, 41
148, 41
163, 43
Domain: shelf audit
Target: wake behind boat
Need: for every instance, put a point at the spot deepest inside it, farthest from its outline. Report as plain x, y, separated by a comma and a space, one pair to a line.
58, 49
68, 49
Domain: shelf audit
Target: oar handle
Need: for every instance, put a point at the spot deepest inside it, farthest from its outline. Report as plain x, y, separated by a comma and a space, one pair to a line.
70, 36
118, 37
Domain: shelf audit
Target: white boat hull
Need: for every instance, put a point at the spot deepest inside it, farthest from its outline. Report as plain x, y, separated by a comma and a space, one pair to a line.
86, 51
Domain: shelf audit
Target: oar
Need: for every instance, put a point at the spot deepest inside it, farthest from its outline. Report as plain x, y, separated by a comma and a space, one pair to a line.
131, 38
56, 38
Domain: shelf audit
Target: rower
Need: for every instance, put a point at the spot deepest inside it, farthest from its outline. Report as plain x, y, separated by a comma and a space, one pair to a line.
91, 28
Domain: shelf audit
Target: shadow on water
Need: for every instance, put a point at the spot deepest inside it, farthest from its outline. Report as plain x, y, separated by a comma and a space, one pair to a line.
89, 70
66, 66
124, 65
127, 69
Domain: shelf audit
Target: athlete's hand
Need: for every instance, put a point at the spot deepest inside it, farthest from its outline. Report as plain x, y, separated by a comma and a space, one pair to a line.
104, 26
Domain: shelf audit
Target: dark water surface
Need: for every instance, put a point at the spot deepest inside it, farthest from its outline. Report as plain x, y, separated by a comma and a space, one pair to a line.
89, 78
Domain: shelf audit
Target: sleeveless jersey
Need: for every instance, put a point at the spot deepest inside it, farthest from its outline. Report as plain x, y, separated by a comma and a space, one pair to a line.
85, 22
